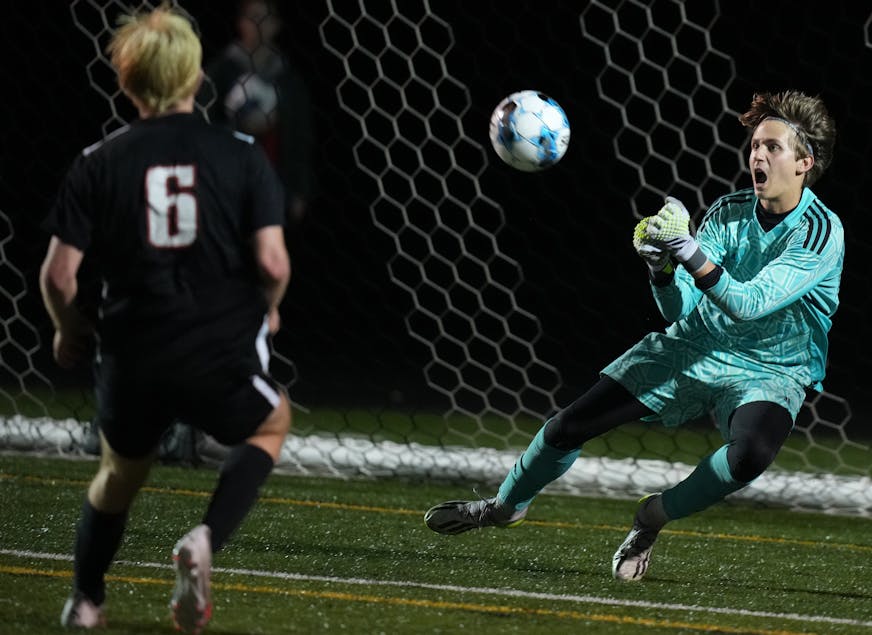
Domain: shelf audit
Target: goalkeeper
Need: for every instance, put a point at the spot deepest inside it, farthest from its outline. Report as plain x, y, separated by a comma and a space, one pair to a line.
750, 301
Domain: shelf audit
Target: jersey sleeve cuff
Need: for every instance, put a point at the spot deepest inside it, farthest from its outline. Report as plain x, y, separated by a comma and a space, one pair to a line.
709, 280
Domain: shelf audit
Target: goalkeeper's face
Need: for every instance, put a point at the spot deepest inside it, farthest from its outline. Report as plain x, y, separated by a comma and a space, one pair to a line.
777, 171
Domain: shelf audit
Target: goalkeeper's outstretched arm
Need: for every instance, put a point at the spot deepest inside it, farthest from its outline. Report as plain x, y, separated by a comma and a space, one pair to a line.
782, 281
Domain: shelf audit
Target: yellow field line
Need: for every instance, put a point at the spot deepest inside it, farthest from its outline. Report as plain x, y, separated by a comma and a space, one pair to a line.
496, 609
272, 500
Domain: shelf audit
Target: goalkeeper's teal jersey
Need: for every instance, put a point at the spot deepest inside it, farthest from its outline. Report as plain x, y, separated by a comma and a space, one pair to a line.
772, 308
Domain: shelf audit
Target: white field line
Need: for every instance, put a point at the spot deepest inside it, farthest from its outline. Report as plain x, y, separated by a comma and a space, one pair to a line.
513, 593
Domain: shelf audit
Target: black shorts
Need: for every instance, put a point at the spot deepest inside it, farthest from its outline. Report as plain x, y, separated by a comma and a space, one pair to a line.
137, 400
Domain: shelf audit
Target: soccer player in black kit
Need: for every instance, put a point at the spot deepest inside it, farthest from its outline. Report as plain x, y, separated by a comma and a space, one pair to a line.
185, 221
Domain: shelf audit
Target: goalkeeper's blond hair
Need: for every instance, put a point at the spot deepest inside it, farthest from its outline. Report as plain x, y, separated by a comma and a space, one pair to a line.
157, 57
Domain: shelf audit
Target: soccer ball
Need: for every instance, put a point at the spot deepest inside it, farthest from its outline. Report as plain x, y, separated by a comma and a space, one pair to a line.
529, 131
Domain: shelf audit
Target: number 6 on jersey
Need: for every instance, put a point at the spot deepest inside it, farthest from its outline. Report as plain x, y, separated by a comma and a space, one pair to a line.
172, 206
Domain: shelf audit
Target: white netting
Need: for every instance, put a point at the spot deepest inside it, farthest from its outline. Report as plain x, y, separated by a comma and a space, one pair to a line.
472, 332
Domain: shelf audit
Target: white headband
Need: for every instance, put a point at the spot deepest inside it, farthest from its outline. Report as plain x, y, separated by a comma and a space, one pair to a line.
796, 131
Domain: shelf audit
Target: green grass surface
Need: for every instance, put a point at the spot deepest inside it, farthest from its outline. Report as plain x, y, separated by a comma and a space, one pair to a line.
324, 555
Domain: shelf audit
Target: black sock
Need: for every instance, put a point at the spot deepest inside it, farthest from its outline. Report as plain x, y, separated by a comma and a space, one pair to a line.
242, 474
98, 536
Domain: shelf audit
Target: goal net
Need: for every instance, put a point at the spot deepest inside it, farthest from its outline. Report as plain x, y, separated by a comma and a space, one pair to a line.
444, 306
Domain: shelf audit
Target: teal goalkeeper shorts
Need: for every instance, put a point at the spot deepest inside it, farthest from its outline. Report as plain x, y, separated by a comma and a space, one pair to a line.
680, 381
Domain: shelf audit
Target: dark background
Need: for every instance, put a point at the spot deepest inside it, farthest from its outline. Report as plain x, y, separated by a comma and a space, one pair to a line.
568, 228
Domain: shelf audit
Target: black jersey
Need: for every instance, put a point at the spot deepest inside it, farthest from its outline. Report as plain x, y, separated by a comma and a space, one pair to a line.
168, 206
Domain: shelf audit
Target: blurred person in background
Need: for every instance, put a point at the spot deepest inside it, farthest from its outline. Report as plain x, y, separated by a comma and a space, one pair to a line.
257, 91
187, 222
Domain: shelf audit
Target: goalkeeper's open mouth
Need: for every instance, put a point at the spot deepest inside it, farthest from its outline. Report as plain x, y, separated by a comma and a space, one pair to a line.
760, 178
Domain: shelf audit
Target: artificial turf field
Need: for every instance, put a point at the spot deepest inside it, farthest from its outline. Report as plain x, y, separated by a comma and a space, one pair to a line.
322, 556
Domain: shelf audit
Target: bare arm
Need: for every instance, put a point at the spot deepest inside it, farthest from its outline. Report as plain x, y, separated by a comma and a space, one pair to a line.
57, 282
274, 266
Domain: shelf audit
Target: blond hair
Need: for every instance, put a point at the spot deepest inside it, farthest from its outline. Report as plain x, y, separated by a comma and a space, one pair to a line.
807, 116
157, 57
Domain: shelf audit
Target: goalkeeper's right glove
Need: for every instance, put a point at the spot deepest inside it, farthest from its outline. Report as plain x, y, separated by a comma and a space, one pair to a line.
657, 258
670, 229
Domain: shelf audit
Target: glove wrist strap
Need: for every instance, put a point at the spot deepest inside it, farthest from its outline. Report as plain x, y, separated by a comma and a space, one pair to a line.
696, 260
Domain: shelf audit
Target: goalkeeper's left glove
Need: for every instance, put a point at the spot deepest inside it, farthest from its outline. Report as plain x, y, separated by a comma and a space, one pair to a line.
670, 228
657, 258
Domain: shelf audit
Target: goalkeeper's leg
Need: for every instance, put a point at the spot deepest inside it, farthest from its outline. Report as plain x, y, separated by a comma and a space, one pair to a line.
550, 454
554, 449
757, 432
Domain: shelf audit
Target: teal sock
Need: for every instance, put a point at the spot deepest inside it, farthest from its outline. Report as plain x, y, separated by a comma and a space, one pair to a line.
708, 484
539, 465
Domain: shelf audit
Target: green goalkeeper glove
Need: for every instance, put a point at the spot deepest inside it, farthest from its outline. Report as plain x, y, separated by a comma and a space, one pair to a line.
670, 229
657, 258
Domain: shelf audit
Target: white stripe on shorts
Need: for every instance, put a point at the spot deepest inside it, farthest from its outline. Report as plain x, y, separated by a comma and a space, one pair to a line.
263, 387
261, 345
